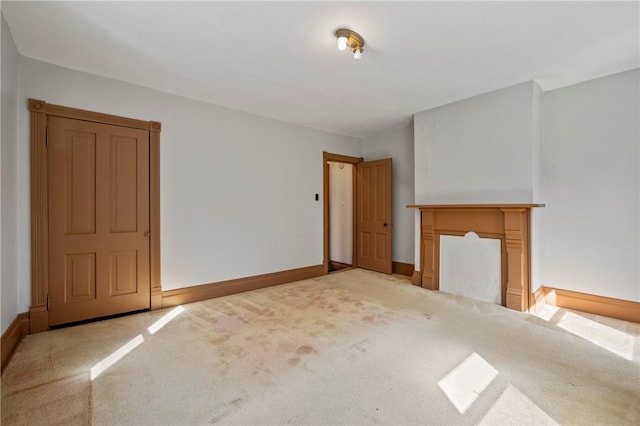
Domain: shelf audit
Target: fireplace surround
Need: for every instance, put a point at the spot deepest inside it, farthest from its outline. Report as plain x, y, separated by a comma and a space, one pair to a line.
510, 223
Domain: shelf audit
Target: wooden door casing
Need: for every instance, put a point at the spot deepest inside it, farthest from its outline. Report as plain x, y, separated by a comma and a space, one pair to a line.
374, 215
99, 223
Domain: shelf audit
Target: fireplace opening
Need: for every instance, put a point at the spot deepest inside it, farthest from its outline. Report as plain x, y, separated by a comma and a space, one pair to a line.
470, 266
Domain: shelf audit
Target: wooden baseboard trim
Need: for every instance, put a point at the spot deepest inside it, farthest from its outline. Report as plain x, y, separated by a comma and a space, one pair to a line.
537, 297
599, 305
416, 278
334, 265
12, 336
239, 285
405, 269
38, 319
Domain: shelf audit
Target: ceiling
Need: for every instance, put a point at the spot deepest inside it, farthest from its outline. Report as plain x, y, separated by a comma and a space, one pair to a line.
279, 59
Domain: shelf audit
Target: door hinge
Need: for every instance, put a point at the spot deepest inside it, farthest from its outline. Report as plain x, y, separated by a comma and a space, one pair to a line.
48, 301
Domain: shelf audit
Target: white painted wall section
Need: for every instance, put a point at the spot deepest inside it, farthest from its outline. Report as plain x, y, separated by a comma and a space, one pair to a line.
397, 143
536, 152
590, 227
576, 149
8, 178
237, 190
341, 212
477, 150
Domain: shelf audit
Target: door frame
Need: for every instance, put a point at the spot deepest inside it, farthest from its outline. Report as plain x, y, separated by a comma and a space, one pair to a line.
339, 158
39, 113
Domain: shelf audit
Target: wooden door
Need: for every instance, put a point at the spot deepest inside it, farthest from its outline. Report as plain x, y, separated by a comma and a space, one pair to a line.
98, 198
373, 207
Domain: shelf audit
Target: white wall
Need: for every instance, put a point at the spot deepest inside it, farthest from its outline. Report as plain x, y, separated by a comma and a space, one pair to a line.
237, 190
397, 143
8, 177
537, 188
576, 149
477, 150
341, 212
590, 161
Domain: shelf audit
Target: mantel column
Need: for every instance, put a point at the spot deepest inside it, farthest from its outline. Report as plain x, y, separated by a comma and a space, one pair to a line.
517, 242
429, 251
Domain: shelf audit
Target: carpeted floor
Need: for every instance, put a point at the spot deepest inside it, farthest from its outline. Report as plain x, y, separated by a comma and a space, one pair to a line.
354, 347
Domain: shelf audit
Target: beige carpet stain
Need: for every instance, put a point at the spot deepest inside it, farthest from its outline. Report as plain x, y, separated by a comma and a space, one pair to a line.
65, 401
354, 347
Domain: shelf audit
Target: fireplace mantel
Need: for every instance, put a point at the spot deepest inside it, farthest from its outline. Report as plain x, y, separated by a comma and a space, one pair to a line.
510, 223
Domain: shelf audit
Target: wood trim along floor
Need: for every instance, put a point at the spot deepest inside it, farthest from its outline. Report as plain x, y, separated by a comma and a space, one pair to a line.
11, 338
606, 306
401, 268
334, 266
239, 285
537, 300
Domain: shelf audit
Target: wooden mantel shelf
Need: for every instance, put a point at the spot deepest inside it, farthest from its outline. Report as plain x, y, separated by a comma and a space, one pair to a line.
473, 206
510, 223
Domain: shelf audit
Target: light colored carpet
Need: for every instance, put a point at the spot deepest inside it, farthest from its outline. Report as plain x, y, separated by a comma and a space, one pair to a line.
354, 347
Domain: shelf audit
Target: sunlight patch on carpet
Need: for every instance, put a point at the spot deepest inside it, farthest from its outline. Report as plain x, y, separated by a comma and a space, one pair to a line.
547, 312
513, 408
116, 356
165, 319
615, 341
467, 381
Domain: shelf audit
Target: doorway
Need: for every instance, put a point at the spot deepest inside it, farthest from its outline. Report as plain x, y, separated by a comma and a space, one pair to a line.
371, 214
94, 215
332, 162
341, 213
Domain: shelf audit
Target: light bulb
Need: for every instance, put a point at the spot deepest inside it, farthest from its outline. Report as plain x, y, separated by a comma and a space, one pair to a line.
342, 43
357, 54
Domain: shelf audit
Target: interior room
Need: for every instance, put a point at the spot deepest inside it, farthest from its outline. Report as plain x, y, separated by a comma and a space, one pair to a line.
320, 212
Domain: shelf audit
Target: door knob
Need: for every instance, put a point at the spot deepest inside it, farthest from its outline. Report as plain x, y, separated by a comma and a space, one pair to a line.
384, 224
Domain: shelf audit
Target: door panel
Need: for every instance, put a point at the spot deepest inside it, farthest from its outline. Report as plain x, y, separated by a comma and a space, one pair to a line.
123, 184
80, 213
374, 224
123, 273
98, 193
80, 276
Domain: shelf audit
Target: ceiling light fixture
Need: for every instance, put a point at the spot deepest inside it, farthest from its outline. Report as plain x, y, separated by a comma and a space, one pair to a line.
352, 40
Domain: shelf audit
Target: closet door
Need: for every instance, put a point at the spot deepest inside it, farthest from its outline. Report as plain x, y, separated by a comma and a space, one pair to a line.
98, 200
